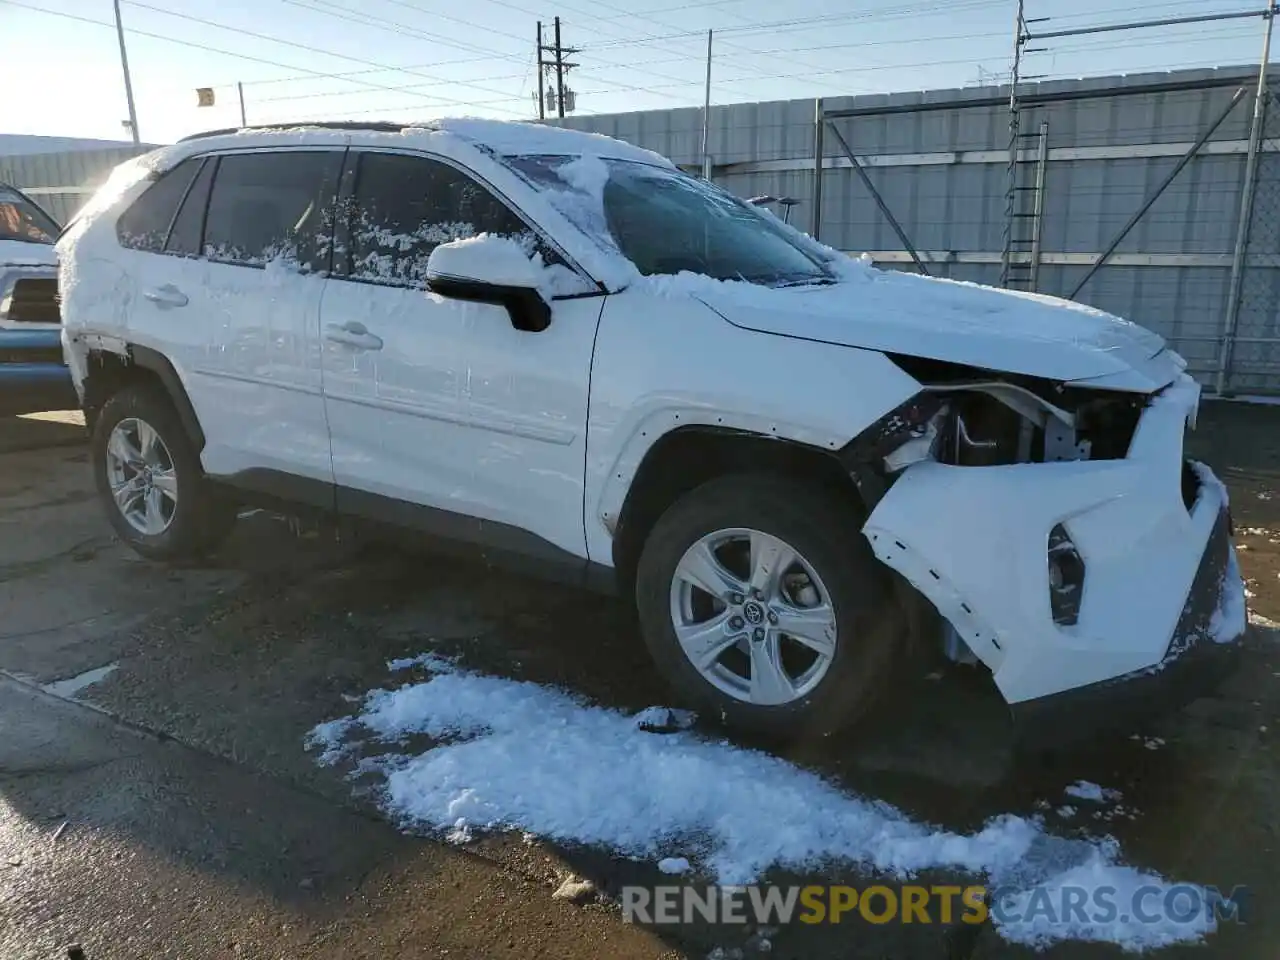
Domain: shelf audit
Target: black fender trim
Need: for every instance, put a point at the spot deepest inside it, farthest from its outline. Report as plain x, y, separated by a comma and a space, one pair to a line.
159, 364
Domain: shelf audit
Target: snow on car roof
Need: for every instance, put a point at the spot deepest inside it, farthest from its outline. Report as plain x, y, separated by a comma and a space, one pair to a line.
504, 137
519, 138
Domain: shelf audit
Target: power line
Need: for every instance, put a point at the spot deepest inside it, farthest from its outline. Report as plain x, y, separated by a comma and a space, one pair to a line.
309, 48
698, 35
405, 88
404, 30
444, 16
903, 41
798, 24
802, 23
437, 101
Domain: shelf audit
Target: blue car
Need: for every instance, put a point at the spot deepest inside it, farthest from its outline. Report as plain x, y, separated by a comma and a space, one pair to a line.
33, 376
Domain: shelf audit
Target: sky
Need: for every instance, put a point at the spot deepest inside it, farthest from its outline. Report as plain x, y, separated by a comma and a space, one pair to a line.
420, 59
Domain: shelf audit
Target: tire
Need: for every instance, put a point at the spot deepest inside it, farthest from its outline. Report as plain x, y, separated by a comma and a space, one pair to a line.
823, 529
189, 519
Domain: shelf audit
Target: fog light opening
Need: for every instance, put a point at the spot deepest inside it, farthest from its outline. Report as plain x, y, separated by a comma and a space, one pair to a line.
1066, 577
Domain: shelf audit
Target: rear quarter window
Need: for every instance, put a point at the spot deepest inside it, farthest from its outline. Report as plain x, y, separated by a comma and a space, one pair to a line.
188, 225
145, 225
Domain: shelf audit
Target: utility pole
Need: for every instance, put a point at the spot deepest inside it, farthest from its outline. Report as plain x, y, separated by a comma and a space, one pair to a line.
559, 73
240, 90
128, 83
564, 96
706, 116
542, 99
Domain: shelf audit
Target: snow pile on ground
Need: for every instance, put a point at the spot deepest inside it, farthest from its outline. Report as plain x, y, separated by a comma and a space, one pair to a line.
72, 687
516, 755
664, 719
1085, 790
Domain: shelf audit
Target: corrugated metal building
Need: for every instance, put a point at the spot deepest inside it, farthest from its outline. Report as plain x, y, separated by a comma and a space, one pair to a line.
61, 182
939, 159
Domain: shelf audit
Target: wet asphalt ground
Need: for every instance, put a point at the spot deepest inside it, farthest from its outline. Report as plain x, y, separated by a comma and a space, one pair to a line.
180, 816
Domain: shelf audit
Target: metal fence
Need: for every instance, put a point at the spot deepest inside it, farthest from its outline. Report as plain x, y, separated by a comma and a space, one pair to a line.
1133, 182
1172, 147
1252, 360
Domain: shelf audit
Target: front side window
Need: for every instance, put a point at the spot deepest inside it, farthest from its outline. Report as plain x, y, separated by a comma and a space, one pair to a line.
20, 219
406, 206
666, 222
275, 206
145, 225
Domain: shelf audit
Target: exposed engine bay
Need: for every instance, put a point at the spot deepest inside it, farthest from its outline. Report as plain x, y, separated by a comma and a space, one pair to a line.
975, 418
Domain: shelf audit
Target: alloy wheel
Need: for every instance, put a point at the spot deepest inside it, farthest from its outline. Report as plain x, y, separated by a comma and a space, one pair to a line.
141, 475
753, 616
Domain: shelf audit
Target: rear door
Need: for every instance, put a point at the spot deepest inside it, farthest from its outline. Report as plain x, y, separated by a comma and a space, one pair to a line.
237, 304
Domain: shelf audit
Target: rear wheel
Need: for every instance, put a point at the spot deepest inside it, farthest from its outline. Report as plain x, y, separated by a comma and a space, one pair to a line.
150, 479
763, 605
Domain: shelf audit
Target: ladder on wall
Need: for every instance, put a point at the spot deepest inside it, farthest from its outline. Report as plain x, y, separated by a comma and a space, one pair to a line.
1024, 210
1024, 181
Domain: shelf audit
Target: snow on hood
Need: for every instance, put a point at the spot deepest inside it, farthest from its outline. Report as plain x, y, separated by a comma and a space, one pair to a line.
20, 253
966, 323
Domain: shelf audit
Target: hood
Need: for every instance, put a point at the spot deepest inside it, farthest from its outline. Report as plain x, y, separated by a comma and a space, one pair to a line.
20, 253
964, 323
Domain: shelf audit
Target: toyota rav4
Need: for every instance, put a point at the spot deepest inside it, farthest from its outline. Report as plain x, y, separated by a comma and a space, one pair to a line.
550, 345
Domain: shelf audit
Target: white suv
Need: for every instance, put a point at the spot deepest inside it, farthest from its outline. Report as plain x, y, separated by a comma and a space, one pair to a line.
554, 346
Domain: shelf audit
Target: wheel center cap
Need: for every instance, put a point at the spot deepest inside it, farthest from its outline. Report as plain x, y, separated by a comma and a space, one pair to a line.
753, 613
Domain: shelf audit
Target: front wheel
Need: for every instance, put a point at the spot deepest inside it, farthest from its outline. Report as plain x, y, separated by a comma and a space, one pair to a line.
762, 604
150, 480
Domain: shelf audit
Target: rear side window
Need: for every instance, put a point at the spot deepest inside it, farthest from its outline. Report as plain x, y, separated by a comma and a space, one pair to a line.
145, 225
407, 206
273, 206
184, 235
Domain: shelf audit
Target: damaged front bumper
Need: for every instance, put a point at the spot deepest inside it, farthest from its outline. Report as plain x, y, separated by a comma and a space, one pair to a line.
1200, 656
1161, 590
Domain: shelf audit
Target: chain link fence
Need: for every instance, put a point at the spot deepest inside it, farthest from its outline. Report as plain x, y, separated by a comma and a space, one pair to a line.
1253, 355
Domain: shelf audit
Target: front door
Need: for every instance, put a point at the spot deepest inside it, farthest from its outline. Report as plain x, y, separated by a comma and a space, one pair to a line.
442, 414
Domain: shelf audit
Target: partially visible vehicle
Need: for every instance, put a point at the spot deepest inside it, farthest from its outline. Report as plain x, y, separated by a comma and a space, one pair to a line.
33, 374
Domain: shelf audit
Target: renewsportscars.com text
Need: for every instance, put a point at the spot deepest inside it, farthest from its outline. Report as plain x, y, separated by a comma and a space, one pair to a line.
1183, 904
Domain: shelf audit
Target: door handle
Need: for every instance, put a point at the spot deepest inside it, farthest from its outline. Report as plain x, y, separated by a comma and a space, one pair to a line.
352, 334
166, 296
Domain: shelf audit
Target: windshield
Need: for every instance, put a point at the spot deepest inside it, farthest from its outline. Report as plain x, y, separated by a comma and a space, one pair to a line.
666, 222
20, 219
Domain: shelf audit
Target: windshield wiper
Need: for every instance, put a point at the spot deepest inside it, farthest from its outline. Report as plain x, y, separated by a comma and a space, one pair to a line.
807, 282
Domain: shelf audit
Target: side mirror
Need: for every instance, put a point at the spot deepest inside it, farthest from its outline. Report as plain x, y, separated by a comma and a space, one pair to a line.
490, 269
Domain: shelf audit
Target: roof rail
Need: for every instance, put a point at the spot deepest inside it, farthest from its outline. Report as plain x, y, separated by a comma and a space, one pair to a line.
376, 126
